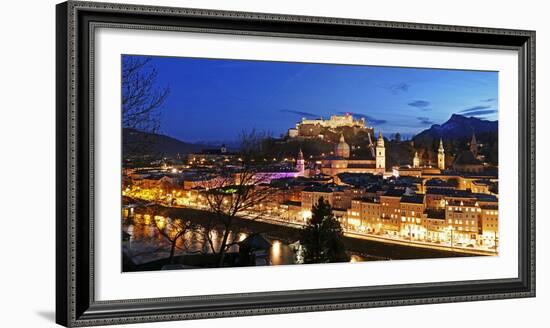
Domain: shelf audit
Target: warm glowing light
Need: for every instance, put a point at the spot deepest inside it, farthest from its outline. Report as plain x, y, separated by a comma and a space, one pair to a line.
242, 236
276, 248
161, 221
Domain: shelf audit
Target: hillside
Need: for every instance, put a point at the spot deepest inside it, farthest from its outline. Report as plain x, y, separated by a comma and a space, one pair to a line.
138, 143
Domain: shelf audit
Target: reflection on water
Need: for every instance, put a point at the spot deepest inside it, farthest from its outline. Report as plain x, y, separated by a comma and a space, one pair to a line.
144, 232
281, 253
148, 240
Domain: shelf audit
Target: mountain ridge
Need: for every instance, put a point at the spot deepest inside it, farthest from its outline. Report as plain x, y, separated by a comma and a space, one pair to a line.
458, 126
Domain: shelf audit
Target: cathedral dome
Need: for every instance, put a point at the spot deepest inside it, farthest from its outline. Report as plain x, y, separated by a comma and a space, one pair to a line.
342, 148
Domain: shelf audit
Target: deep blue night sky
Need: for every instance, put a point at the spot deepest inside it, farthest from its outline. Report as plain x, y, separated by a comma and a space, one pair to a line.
213, 100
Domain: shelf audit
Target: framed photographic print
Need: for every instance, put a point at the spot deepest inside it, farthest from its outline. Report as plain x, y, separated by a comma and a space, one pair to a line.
215, 163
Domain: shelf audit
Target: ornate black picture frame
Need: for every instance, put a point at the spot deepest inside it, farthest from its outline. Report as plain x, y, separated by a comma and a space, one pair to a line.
75, 301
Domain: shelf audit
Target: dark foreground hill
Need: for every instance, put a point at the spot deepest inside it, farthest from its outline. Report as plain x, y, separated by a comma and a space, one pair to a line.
136, 143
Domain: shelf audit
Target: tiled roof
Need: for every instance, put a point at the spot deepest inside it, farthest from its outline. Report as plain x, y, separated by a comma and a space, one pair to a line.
394, 193
415, 199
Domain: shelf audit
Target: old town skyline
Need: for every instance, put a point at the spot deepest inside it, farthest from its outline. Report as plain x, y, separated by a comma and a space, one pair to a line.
325, 189
446, 204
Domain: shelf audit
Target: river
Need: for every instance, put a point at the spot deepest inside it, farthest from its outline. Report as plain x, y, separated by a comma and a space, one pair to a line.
147, 244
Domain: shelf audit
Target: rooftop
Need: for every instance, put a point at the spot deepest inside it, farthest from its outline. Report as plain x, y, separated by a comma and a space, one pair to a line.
467, 158
366, 199
441, 183
394, 193
327, 188
374, 189
485, 197
414, 199
449, 192
469, 203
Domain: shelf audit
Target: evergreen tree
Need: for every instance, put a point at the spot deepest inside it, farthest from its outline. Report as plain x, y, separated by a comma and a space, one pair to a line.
322, 237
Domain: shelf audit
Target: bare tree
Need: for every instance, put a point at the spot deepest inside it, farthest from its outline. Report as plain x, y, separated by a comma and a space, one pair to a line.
234, 193
251, 142
173, 230
141, 95
142, 100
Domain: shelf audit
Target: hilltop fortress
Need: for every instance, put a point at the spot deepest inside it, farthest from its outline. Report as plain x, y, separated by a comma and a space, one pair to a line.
341, 158
317, 128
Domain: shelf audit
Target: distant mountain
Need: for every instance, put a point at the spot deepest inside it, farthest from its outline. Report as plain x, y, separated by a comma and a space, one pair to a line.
157, 145
456, 134
457, 127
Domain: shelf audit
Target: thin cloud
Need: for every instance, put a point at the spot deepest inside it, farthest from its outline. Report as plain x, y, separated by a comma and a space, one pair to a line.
300, 113
424, 120
482, 112
370, 119
475, 108
399, 88
420, 104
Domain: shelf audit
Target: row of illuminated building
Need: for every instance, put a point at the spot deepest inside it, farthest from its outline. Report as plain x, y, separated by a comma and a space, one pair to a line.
450, 217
